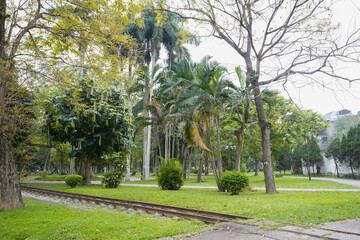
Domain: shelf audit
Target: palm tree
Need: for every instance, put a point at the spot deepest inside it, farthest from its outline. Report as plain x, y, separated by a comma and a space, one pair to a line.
202, 90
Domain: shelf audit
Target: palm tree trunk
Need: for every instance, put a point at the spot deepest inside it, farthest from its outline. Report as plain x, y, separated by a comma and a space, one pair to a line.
166, 142
184, 161
240, 142
146, 155
173, 144
190, 152
220, 164
215, 169
198, 178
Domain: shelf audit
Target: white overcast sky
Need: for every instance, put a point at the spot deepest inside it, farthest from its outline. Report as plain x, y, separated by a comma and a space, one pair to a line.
311, 96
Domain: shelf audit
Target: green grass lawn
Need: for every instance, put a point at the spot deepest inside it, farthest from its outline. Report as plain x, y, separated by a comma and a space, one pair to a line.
45, 221
291, 207
258, 181
57, 177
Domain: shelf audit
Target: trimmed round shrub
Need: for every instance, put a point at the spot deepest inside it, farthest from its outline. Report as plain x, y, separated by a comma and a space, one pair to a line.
45, 173
73, 180
234, 182
112, 179
170, 177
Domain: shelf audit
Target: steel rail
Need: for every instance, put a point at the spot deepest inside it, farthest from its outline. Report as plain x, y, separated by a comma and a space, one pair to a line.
206, 216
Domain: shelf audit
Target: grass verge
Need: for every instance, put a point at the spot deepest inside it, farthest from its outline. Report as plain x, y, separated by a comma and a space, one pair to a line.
258, 181
45, 221
292, 207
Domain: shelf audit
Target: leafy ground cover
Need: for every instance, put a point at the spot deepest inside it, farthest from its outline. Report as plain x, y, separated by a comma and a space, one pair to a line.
291, 207
258, 181
45, 221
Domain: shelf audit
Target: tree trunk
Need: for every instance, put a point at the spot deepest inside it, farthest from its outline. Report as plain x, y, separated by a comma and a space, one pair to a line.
265, 139
61, 161
128, 173
46, 162
352, 170
184, 161
173, 144
191, 151
307, 159
87, 171
9, 179
240, 142
198, 178
72, 166
256, 168
146, 156
220, 164
215, 169
337, 168
217, 178
206, 165
166, 141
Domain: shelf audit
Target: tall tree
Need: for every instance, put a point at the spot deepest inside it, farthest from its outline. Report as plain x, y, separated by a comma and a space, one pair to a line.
288, 37
34, 34
94, 122
350, 148
333, 151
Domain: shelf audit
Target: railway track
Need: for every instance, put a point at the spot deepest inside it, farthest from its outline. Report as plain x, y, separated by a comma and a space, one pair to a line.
205, 216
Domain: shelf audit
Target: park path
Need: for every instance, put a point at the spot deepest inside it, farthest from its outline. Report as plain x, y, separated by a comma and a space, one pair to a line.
214, 187
351, 182
355, 183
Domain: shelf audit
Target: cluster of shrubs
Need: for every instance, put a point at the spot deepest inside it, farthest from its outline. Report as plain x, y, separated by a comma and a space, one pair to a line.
41, 173
23, 174
234, 182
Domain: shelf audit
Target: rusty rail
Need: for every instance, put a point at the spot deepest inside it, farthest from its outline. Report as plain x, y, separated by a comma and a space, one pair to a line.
202, 215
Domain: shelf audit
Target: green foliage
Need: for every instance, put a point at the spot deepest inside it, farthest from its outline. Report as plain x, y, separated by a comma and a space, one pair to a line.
45, 173
112, 179
23, 174
350, 148
94, 121
243, 167
133, 172
73, 180
234, 182
170, 177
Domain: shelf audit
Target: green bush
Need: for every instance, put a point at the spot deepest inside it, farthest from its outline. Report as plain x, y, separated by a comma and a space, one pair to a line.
234, 182
243, 167
195, 171
23, 174
170, 176
45, 173
133, 172
112, 179
73, 180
